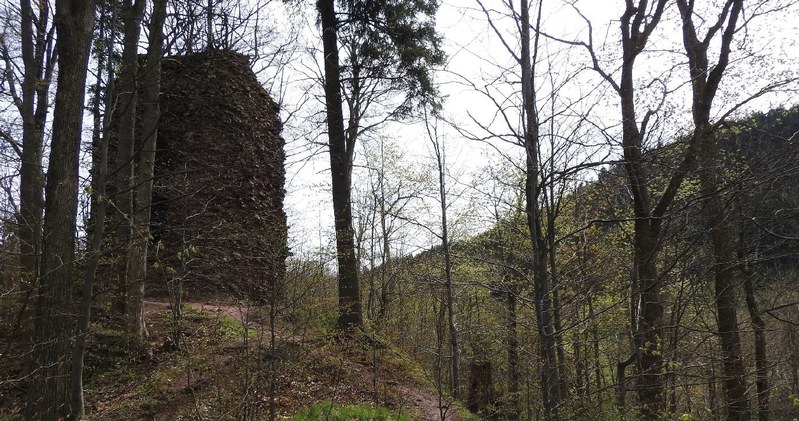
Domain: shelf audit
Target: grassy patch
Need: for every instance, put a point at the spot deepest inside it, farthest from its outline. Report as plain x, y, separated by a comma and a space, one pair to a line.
328, 411
234, 329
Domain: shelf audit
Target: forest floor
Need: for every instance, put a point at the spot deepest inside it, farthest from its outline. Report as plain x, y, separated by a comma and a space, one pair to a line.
227, 367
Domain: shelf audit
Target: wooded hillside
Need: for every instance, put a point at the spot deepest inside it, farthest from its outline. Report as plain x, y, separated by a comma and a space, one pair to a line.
399, 209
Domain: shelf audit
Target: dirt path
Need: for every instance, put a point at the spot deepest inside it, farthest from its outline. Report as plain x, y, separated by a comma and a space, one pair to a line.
422, 401
245, 315
250, 317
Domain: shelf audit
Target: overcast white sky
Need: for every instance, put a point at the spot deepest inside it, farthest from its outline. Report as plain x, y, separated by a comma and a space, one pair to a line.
476, 56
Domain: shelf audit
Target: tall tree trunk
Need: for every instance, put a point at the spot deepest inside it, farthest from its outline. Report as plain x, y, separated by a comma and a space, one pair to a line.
648, 334
143, 191
450, 298
102, 131
734, 374
386, 283
553, 271
550, 376
579, 367
126, 98
704, 84
341, 173
646, 309
209, 25
33, 107
637, 23
49, 388
646, 305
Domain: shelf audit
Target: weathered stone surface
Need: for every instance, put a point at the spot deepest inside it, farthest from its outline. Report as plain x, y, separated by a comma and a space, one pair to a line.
218, 201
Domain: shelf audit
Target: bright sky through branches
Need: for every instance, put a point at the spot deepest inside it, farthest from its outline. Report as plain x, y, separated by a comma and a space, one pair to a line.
480, 85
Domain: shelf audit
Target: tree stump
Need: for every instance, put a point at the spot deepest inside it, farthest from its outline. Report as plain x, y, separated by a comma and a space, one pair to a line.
480, 386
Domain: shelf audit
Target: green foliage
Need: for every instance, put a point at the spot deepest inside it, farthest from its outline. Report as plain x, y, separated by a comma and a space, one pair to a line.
394, 42
328, 411
232, 328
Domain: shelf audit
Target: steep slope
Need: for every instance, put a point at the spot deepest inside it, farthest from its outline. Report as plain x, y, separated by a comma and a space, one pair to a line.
227, 367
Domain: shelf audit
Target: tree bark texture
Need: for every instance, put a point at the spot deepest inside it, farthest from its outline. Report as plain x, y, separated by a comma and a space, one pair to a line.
480, 386
126, 99
341, 172
36, 46
100, 141
143, 190
49, 388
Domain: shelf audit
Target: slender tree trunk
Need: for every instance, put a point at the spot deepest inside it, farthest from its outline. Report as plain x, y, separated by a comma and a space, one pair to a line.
597, 361
761, 358
734, 373
711, 385
453, 329
126, 98
99, 128
550, 376
143, 191
386, 282
373, 299
704, 84
449, 297
31, 175
648, 337
553, 271
513, 358
439, 370
579, 367
36, 49
209, 25
646, 306
273, 373
341, 173
49, 387
98, 218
